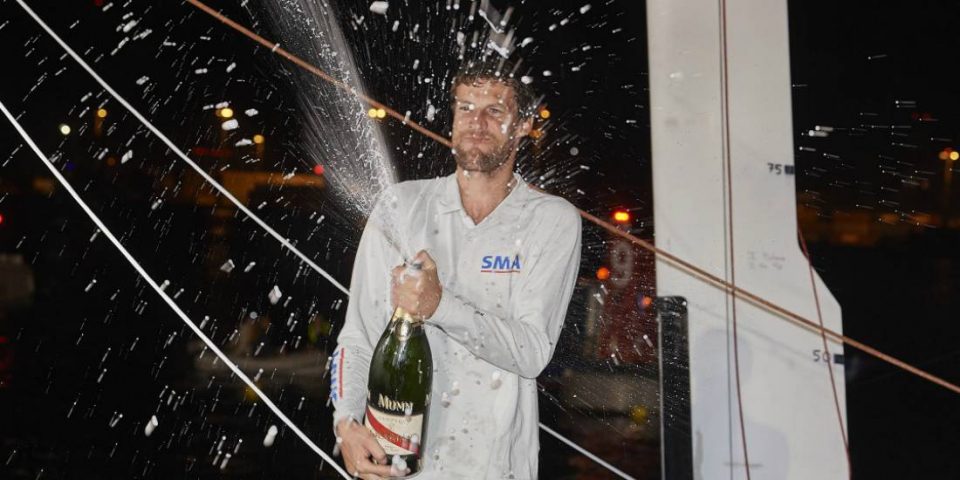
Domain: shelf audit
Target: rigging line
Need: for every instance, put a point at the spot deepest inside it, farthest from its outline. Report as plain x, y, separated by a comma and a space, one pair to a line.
731, 287
589, 455
823, 336
881, 376
275, 48
286, 243
166, 298
664, 255
728, 174
226, 193
763, 303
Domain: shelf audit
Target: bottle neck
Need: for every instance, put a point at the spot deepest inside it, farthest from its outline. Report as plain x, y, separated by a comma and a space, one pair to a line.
404, 324
403, 315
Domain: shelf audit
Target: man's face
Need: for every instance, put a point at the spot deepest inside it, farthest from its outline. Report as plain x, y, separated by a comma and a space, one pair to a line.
486, 127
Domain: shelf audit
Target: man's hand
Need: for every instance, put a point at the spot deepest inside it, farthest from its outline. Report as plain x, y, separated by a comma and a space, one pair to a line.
360, 450
417, 292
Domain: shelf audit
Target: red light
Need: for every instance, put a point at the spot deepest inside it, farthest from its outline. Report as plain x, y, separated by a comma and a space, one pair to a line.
603, 273
211, 152
318, 170
621, 216
1, 219
646, 302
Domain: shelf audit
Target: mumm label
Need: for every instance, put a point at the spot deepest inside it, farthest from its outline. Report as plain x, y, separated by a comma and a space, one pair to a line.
389, 404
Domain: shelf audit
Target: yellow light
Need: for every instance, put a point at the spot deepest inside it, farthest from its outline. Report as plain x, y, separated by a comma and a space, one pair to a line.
544, 114
638, 414
621, 216
372, 113
954, 155
226, 112
102, 113
381, 113
258, 139
249, 395
65, 129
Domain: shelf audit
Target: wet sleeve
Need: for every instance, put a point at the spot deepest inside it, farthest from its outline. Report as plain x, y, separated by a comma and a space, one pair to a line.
366, 317
523, 342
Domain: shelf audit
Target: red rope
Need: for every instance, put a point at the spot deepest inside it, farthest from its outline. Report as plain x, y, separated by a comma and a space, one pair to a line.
725, 126
826, 351
662, 255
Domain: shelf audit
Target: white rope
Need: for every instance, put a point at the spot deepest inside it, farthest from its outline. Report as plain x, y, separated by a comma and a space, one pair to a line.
585, 453
283, 241
166, 298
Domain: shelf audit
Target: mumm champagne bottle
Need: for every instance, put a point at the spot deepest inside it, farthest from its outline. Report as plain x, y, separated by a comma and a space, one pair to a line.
398, 391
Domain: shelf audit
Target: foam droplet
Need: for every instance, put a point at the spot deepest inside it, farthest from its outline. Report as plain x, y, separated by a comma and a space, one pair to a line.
151, 426
380, 8
271, 436
495, 381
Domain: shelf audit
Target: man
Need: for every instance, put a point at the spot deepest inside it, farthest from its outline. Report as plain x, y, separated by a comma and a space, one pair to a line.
499, 263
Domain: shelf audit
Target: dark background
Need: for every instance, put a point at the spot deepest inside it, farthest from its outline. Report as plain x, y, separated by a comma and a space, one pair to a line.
897, 283
870, 196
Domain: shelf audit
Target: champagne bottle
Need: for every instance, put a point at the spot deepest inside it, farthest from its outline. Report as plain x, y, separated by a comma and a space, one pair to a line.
398, 391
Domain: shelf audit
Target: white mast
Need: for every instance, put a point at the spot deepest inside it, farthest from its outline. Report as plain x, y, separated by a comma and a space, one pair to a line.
720, 92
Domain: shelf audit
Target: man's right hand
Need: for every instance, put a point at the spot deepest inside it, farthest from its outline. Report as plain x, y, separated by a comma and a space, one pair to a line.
360, 450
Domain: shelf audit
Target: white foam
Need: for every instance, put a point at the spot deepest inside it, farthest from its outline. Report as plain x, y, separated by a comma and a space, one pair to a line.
152, 424
275, 295
271, 436
380, 8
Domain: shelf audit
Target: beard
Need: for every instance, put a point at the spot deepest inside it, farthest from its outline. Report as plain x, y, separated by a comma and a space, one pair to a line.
473, 159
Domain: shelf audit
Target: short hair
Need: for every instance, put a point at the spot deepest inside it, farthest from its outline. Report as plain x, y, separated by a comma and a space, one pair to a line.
497, 70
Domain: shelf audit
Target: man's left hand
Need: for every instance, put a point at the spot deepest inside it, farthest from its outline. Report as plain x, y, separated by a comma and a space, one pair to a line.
417, 292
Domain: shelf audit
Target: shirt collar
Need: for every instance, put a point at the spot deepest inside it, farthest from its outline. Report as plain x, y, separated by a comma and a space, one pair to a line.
450, 195
449, 200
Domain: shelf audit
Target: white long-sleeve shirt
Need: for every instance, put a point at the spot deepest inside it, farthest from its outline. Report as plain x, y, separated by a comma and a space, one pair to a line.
507, 282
